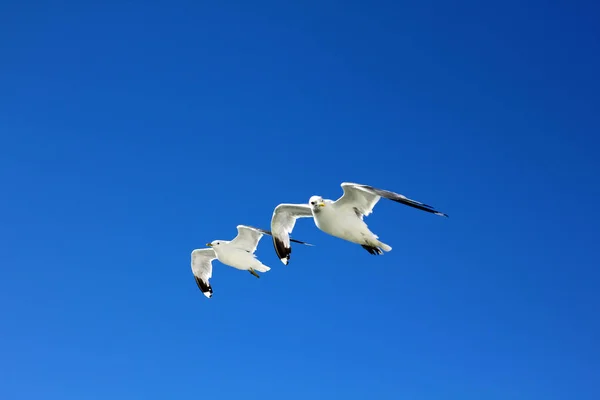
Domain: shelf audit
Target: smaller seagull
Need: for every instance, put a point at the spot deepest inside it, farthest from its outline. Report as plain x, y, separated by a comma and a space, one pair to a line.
342, 218
237, 253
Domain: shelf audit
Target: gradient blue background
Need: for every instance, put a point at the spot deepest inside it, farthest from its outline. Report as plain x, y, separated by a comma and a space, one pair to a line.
134, 132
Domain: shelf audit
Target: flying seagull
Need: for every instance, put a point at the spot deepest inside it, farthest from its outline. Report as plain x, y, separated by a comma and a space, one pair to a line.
342, 218
237, 253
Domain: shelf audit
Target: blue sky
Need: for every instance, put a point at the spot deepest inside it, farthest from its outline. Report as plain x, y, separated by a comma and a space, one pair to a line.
132, 133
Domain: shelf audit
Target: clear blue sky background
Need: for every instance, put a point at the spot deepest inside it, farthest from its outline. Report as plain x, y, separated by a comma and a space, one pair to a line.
133, 132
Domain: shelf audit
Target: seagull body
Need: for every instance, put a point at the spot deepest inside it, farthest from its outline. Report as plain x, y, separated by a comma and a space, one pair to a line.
343, 223
342, 218
237, 253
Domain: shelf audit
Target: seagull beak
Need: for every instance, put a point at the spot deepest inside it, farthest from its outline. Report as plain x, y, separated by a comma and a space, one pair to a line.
209, 244
322, 204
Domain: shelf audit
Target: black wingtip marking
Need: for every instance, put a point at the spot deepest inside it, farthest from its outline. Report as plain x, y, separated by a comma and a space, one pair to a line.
300, 242
406, 201
204, 287
418, 206
266, 232
372, 250
282, 251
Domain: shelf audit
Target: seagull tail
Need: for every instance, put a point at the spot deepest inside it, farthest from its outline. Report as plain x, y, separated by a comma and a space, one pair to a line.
261, 268
385, 247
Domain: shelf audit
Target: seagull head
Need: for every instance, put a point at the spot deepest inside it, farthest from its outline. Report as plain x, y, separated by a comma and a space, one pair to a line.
316, 202
214, 243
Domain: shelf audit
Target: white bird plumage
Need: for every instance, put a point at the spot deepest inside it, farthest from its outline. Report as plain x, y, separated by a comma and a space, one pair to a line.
342, 218
237, 253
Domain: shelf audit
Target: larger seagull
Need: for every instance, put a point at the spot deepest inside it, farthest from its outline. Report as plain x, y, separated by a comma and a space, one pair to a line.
342, 218
237, 253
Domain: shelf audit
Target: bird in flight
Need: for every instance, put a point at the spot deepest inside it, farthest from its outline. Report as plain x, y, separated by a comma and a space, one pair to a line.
237, 253
342, 218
